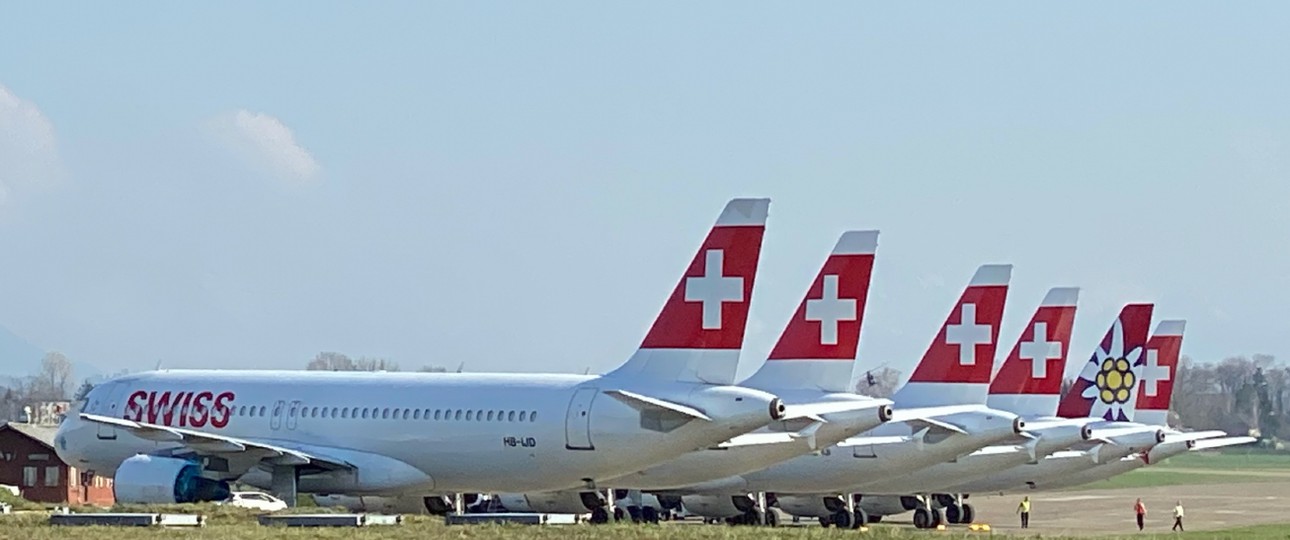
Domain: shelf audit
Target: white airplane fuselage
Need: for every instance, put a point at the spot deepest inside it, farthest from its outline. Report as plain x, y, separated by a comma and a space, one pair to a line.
415, 432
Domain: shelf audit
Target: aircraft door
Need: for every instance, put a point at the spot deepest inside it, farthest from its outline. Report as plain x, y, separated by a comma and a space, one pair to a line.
292, 413
111, 405
275, 420
577, 423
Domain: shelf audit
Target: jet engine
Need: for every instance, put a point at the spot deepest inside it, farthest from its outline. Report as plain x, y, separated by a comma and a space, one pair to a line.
718, 506
811, 505
148, 479
553, 502
404, 504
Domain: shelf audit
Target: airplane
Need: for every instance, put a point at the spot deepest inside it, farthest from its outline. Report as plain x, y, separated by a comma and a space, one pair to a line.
1154, 392
183, 435
1027, 389
953, 373
809, 368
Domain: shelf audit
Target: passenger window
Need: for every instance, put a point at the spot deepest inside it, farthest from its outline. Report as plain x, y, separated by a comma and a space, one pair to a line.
333, 412
241, 411
416, 415
490, 416
385, 413
364, 413
324, 412
470, 415
479, 415
532, 416
510, 416
523, 415
313, 413
457, 415
262, 410
405, 414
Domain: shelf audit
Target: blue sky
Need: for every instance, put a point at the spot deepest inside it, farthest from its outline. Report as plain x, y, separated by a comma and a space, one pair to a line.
517, 186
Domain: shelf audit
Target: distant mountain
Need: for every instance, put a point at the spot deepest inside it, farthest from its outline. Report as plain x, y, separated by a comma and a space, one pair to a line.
18, 357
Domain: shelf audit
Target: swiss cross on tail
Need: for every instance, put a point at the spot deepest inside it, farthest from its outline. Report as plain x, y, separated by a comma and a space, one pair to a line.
700, 330
826, 325
1037, 361
1105, 387
1157, 373
963, 351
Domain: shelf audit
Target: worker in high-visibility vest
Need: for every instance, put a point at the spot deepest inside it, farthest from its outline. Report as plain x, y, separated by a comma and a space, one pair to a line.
1024, 510
1178, 515
1141, 510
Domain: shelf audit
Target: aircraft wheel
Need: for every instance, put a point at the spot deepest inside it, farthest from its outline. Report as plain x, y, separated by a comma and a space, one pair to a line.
861, 518
754, 517
969, 514
824, 521
954, 513
938, 518
922, 518
635, 513
649, 515
619, 513
599, 516
772, 518
843, 519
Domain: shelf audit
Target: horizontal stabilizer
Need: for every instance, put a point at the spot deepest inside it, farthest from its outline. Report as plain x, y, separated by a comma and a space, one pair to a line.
1194, 435
1049, 424
775, 437
210, 443
932, 422
922, 413
878, 441
1221, 442
640, 402
1107, 435
815, 410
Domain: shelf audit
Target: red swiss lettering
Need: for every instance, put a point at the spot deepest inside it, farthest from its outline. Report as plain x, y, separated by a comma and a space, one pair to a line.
200, 413
134, 406
221, 412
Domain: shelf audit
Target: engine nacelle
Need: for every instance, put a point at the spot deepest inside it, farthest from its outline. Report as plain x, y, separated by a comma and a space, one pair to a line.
145, 479
888, 505
718, 506
553, 502
406, 504
810, 505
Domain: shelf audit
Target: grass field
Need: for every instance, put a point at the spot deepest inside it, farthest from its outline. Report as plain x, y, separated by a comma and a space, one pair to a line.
1228, 461
1202, 469
224, 524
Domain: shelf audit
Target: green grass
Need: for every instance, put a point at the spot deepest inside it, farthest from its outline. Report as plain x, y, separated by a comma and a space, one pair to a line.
1228, 461
224, 524
1163, 477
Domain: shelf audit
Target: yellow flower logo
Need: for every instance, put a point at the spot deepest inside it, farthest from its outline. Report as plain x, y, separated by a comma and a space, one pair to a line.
1115, 380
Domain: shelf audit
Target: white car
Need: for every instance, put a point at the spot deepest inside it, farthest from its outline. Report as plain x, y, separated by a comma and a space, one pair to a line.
255, 501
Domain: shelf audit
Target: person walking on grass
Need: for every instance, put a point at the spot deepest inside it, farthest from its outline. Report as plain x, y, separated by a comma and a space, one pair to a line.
1141, 510
1178, 515
1024, 510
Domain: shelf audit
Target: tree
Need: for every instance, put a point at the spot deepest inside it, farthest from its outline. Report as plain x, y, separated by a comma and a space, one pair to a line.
330, 361
433, 369
878, 383
53, 381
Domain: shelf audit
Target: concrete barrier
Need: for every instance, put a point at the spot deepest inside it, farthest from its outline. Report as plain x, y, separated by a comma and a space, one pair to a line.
328, 520
517, 518
128, 520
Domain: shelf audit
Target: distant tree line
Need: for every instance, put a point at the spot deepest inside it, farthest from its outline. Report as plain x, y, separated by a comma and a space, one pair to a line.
334, 361
52, 383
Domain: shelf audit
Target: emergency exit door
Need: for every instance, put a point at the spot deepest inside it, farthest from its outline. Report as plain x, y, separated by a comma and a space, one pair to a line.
577, 423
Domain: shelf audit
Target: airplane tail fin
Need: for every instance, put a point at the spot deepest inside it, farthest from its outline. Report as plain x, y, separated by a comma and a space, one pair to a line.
957, 366
1156, 377
817, 350
1104, 388
700, 330
1030, 381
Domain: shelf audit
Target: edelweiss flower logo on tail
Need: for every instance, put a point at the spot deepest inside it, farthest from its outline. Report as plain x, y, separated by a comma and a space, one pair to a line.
1105, 388
1112, 371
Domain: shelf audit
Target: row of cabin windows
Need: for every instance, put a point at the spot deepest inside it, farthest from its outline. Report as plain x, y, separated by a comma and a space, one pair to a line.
397, 413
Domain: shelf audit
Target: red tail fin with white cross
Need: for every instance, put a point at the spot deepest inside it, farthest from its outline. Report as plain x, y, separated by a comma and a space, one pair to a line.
1030, 381
698, 334
1157, 373
817, 350
957, 366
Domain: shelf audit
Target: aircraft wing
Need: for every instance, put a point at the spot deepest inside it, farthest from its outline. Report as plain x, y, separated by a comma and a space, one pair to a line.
212, 444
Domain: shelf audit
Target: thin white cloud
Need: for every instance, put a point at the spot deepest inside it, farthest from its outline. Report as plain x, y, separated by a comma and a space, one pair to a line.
28, 147
264, 141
